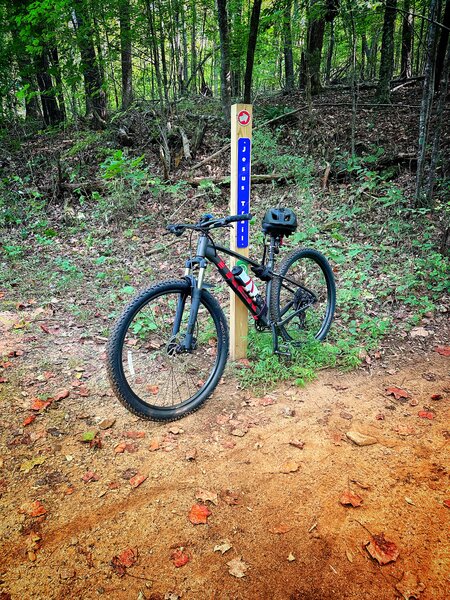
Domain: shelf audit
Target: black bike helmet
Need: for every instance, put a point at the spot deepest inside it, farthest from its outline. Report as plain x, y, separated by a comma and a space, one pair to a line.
279, 221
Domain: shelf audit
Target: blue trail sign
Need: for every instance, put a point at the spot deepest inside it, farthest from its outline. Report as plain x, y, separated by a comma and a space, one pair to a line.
243, 190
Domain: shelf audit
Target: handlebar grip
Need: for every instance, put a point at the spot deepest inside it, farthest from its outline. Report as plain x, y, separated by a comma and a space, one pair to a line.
236, 218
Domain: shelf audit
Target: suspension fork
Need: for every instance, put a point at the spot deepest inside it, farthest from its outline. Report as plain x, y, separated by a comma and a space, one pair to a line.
196, 294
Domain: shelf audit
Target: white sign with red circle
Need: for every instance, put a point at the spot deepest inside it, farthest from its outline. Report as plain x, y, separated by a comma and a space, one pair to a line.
244, 117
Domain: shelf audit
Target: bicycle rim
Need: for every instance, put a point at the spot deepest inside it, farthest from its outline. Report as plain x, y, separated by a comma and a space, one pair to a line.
306, 300
156, 369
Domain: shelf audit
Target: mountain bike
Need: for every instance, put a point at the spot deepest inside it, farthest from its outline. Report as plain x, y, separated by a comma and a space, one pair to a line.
168, 350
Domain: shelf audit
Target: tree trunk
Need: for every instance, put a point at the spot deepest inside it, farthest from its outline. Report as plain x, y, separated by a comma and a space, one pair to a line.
438, 126
330, 53
407, 35
50, 109
387, 53
287, 46
193, 78
224, 56
442, 45
125, 53
427, 100
252, 38
316, 31
93, 81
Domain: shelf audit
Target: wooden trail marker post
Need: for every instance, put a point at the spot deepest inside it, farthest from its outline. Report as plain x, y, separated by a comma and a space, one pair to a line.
241, 143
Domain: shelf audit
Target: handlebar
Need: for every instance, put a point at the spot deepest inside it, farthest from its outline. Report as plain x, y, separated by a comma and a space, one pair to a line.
204, 226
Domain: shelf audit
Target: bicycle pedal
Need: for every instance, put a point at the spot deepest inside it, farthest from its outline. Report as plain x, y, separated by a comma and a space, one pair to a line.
283, 351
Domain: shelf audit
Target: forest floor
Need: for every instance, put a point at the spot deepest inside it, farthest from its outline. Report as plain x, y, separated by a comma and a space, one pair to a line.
273, 471
97, 503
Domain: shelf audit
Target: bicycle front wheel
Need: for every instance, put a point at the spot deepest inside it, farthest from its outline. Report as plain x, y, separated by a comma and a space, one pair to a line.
149, 371
303, 297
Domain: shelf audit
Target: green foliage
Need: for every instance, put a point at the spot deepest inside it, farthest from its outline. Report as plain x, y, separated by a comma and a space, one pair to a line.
267, 149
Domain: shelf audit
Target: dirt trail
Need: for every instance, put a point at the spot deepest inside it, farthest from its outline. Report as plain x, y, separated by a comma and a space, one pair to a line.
274, 500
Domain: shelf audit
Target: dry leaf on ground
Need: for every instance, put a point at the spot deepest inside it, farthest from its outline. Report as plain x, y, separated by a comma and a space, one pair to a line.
381, 549
281, 528
397, 392
33, 509
410, 587
179, 558
206, 496
348, 498
289, 467
425, 414
199, 514
237, 567
443, 350
137, 480
223, 547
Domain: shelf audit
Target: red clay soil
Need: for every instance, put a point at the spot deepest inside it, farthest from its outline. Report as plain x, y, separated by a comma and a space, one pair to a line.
271, 470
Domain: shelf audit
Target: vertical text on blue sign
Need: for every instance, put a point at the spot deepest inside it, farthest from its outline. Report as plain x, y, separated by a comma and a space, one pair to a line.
243, 190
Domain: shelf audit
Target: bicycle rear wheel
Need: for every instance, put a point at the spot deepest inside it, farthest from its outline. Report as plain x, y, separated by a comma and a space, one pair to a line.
303, 297
150, 373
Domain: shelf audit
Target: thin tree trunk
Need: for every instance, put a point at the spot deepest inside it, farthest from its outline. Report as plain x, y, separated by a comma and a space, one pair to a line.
94, 89
252, 38
50, 109
438, 127
287, 47
330, 53
125, 53
315, 35
442, 45
193, 78
59, 82
407, 34
387, 53
427, 101
224, 56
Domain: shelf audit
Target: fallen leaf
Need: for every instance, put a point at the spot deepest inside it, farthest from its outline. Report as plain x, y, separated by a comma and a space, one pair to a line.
381, 549
443, 350
27, 465
38, 404
239, 432
44, 328
281, 528
106, 423
179, 558
134, 435
237, 567
199, 514
291, 557
88, 436
206, 496
90, 476
410, 587
424, 414
397, 392
33, 509
62, 395
405, 430
223, 547
3, 380
231, 498
28, 420
289, 467
191, 455
446, 503
349, 556
153, 389
361, 439
6, 365
154, 445
176, 430
409, 501
128, 557
297, 444
436, 397
348, 498
137, 480
120, 448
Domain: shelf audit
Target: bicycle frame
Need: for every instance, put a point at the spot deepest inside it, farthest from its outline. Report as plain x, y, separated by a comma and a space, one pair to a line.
207, 251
